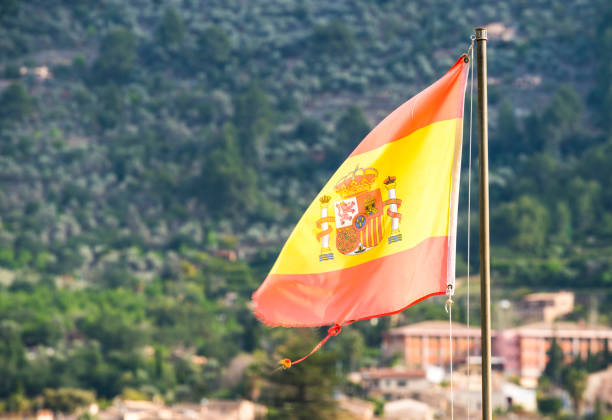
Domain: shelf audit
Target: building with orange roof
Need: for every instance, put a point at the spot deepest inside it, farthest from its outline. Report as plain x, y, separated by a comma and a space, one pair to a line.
520, 351
427, 343
546, 306
524, 349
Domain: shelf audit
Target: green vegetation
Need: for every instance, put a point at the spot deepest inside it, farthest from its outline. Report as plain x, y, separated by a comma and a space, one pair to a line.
571, 377
148, 180
306, 390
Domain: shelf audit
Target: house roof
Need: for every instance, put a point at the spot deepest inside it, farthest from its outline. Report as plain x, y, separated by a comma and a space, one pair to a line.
545, 295
562, 330
538, 329
435, 328
393, 373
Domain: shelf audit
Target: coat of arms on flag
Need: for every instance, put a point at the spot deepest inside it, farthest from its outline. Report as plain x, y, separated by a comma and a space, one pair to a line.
359, 214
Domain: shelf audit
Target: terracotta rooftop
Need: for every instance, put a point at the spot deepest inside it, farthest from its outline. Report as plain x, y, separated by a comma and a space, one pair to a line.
435, 328
563, 329
560, 329
545, 295
393, 373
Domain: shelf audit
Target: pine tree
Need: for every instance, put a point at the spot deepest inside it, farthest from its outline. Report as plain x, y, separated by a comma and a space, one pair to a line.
508, 140
253, 117
562, 118
351, 128
12, 357
304, 391
117, 58
554, 365
171, 31
226, 178
15, 103
575, 384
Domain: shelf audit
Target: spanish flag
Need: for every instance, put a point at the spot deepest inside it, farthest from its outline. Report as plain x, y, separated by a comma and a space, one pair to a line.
380, 236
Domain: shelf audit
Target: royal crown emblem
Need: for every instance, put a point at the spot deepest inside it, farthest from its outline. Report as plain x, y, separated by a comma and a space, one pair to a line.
358, 181
358, 217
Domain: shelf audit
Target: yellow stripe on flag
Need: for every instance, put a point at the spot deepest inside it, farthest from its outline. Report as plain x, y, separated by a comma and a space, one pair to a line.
422, 163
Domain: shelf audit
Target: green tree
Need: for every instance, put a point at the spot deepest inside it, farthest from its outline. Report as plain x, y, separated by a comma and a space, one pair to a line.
171, 31
575, 383
11, 71
534, 133
333, 39
309, 130
226, 178
8, 8
523, 223
67, 400
351, 128
507, 141
554, 366
562, 234
599, 411
595, 166
607, 355
117, 56
601, 94
585, 197
253, 117
562, 119
12, 357
353, 345
115, 275
15, 103
549, 406
111, 106
304, 391
214, 47
18, 403
114, 329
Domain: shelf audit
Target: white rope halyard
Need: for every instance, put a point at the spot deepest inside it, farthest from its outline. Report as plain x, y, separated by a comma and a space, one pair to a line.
448, 306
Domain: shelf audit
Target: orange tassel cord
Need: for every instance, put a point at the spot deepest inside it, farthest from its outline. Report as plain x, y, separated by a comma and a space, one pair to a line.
331, 332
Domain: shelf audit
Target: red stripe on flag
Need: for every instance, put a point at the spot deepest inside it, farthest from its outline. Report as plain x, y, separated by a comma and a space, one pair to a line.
379, 287
441, 101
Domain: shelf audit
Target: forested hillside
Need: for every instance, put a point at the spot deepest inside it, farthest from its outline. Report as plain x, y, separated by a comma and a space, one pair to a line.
155, 154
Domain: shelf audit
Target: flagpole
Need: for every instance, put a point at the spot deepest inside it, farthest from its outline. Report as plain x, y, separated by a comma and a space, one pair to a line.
483, 194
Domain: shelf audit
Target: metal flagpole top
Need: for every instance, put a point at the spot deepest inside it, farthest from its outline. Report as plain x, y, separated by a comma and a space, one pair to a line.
481, 34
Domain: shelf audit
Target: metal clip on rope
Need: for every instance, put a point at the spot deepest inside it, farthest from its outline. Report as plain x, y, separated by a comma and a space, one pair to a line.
449, 301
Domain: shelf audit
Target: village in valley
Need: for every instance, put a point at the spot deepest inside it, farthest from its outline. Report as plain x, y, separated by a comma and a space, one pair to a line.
416, 384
